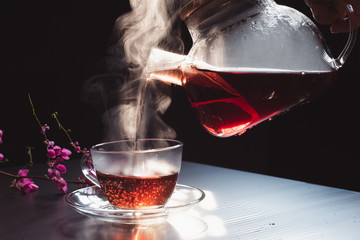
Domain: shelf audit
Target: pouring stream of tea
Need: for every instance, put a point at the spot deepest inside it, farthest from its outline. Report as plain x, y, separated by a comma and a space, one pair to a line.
140, 112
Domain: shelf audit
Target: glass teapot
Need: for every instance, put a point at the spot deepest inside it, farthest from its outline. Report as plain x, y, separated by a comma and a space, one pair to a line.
250, 60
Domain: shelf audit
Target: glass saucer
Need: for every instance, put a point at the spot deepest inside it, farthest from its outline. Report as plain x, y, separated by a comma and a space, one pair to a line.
92, 202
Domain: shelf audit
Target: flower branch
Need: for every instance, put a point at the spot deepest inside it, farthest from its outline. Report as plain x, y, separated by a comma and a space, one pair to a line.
46, 178
55, 154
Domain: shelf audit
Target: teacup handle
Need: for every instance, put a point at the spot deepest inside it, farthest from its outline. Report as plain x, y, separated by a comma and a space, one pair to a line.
87, 168
340, 60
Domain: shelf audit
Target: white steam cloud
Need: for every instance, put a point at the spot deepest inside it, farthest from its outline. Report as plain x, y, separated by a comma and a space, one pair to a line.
144, 27
150, 24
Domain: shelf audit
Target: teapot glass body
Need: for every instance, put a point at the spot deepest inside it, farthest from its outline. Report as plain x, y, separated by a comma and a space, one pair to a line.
250, 61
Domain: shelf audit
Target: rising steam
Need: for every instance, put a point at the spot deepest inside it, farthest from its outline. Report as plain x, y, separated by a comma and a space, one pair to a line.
150, 24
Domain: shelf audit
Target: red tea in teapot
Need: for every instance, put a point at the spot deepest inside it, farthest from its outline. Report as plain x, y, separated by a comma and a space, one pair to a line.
229, 103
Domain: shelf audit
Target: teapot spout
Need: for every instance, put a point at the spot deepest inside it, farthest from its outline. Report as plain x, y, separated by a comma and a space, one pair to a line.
173, 76
165, 66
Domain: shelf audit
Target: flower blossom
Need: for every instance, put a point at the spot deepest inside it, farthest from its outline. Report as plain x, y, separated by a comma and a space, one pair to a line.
61, 168
51, 153
1, 155
25, 184
54, 175
49, 143
58, 153
65, 153
61, 184
76, 146
44, 128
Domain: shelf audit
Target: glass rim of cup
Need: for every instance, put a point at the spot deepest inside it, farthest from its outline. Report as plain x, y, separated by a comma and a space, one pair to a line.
178, 144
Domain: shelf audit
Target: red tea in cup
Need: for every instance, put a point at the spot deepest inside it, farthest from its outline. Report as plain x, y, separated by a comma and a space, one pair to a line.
135, 176
137, 192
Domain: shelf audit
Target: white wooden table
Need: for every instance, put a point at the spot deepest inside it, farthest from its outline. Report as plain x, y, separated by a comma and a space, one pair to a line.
238, 205
242, 205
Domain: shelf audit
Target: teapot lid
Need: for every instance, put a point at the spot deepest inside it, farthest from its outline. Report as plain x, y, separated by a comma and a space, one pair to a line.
190, 7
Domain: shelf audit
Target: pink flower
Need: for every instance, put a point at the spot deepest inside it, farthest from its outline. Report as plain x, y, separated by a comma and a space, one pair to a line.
25, 184
77, 149
59, 159
65, 153
54, 176
53, 173
76, 146
1, 155
61, 184
23, 172
50, 172
49, 144
51, 153
59, 153
57, 150
61, 168
28, 185
44, 128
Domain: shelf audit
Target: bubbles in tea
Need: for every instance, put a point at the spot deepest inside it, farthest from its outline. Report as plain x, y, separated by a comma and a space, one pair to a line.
137, 192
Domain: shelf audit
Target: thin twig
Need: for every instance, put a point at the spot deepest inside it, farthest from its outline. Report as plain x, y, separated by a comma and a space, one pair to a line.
38, 177
30, 163
54, 115
34, 113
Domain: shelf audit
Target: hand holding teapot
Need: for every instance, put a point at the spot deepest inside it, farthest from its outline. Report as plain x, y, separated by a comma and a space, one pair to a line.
334, 12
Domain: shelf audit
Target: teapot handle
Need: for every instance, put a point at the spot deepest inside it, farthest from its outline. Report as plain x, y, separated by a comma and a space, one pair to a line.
340, 60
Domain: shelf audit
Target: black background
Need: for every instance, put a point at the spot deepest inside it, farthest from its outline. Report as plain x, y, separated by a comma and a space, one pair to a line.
51, 48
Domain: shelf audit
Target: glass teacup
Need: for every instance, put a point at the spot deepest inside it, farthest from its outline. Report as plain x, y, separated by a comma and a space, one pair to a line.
135, 174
